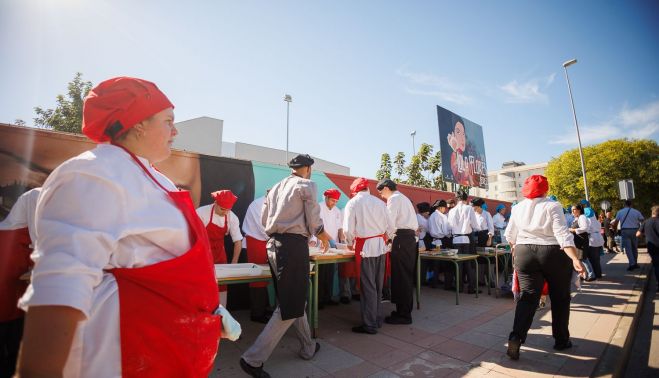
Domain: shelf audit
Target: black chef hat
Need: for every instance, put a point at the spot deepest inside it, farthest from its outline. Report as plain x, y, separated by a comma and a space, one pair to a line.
462, 194
301, 161
477, 202
423, 207
439, 203
386, 182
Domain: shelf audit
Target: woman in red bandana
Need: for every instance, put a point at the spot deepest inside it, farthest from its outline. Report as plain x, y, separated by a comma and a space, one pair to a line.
220, 221
544, 251
121, 258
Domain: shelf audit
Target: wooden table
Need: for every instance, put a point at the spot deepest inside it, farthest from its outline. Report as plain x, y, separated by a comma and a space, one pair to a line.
455, 260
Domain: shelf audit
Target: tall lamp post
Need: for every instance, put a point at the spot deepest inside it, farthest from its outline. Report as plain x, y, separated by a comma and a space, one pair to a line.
288, 100
576, 125
413, 133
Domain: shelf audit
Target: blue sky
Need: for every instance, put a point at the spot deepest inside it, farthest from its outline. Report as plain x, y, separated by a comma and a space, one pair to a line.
363, 74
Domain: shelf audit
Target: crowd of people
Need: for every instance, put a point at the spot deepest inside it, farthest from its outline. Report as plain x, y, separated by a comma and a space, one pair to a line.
123, 282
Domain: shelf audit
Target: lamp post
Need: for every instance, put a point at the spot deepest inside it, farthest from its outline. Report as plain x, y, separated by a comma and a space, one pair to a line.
413, 133
288, 100
576, 125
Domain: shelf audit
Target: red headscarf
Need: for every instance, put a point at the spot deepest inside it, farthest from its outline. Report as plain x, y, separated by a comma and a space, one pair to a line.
117, 104
224, 199
358, 185
535, 186
332, 193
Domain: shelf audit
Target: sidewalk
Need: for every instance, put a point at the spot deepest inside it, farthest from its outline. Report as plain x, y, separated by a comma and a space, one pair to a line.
446, 340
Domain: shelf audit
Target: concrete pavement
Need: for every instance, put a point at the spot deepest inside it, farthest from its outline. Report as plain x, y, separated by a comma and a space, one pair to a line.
446, 340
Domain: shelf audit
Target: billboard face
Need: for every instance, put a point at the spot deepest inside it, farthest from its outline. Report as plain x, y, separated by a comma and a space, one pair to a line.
463, 150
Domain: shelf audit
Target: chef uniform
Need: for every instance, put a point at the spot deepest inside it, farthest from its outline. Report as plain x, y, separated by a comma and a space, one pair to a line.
16, 235
462, 220
425, 240
367, 224
595, 242
256, 253
333, 222
119, 242
290, 216
499, 221
440, 231
217, 227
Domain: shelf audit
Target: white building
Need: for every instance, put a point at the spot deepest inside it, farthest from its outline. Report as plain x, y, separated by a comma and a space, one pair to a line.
204, 135
506, 183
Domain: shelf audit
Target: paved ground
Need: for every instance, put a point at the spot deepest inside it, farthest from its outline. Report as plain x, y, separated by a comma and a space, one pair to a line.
644, 361
452, 341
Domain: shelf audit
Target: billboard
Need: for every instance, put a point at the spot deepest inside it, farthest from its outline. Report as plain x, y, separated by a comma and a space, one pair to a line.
463, 150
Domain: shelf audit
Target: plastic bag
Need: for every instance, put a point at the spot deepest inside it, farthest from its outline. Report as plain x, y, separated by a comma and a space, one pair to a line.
230, 327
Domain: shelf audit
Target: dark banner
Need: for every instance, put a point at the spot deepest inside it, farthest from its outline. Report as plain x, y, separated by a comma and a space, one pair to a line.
463, 150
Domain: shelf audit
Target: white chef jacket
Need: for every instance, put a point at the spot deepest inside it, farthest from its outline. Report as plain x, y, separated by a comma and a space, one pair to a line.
538, 221
204, 213
595, 238
423, 225
583, 223
489, 223
332, 220
438, 225
22, 213
462, 220
401, 211
365, 216
252, 225
99, 211
499, 221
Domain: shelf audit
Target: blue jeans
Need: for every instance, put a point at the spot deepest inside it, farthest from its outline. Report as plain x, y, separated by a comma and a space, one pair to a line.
630, 244
589, 268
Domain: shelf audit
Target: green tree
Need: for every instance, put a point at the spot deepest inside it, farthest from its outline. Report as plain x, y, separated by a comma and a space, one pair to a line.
67, 115
399, 166
606, 164
415, 172
385, 167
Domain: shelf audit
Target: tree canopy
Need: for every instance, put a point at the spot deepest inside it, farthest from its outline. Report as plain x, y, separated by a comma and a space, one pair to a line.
606, 164
424, 169
67, 115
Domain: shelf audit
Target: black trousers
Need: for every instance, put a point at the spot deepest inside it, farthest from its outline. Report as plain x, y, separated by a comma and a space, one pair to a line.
325, 282
593, 255
653, 251
11, 333
535, 264
403, 263
468, 268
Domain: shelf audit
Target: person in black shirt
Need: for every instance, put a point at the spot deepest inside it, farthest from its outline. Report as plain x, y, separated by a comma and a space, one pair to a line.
650, 229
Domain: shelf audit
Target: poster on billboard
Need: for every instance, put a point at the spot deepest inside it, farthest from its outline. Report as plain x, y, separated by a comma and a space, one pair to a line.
463, 150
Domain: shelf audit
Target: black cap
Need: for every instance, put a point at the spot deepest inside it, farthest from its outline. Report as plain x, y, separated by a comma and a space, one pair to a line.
301, 161
477, 202
386, 182
439, 203
462, 194
423, 207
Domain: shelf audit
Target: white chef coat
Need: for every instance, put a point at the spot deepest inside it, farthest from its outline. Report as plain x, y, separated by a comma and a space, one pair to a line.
538, 221
489, 223
401, 211
22, 213
582, 221
332, 220
423, 225
499, 221
438, 225
366, 216
252, 225
462, 220
99, 211
204, 213
595, 238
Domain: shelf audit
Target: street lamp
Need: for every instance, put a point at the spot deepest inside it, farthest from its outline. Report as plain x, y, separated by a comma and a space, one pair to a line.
576, 125
413, 133
288, 100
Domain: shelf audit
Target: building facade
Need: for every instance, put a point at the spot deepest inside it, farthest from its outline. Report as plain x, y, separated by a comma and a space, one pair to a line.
506, 183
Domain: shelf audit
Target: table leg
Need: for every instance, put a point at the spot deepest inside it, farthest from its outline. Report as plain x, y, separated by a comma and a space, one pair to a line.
476, 261
489, 278
496, 274
458, 278
315, 299
418, 281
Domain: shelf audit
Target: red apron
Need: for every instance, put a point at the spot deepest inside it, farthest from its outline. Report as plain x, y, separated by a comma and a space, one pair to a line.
14, 261
256, 254
359, 246
167, 326
216, 238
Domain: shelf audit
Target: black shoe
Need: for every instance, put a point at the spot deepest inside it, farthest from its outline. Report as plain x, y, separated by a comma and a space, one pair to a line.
397, 320
449, 288
260, 319
635, 266
630, 268
513, 347
345, 300
321, 306
256, 372
591, 279
472, 291
563, 346
314, 353
332, 302
362, 329
356, 297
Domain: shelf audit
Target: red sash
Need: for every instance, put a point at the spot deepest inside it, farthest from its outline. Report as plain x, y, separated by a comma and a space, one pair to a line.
167, 326
256, 254
216, 239
14, 261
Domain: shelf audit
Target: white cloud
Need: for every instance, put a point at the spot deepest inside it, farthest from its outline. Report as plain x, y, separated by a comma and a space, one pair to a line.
529, 91
436, 86
636, 123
